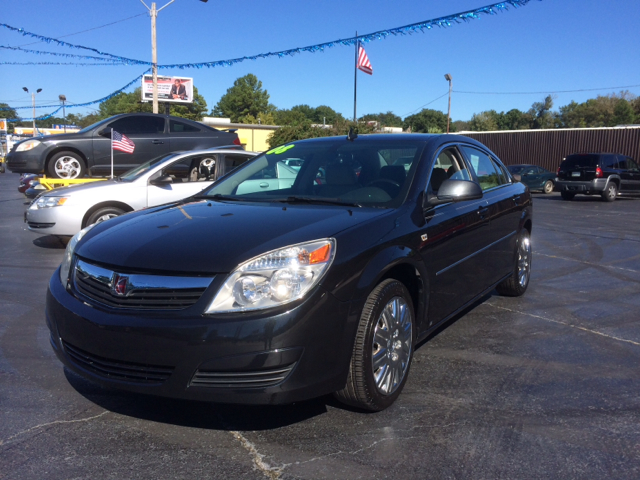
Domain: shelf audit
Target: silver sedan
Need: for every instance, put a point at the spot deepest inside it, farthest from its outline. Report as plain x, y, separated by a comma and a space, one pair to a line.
66, 210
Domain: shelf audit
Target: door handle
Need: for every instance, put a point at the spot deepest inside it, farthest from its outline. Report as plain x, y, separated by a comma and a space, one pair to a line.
157, 142
516, 199
263, 185
482, 211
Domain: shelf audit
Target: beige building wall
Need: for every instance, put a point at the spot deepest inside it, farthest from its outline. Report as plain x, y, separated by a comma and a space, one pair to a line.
253, 137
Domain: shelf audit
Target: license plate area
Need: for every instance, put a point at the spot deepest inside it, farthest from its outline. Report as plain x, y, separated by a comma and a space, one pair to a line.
575, 174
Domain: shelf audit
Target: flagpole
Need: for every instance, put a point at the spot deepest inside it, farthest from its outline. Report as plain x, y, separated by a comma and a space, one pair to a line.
355, 81
112, 153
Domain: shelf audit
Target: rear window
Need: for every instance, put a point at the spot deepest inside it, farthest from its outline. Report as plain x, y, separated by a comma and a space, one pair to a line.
575, 161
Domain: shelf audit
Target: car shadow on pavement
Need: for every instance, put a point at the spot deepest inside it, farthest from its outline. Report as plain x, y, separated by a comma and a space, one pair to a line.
52, 242
189, 413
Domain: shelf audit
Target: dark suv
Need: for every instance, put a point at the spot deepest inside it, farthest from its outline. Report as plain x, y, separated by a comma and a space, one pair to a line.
88, 151
604, 174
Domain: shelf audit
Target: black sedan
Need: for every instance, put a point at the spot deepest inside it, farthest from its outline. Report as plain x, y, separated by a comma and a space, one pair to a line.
252, 294
534, 177
88, 151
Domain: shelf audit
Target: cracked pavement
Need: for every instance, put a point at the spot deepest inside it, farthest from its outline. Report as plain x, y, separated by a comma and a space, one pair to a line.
542, 386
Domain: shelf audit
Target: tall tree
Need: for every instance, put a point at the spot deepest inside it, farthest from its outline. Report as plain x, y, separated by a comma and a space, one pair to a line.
246, 97
426, 121
388, 119
541, 113
486, 121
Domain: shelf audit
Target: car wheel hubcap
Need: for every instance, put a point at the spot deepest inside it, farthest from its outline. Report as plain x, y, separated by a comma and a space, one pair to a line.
524, 261
67, 167
105, 217
612, 191
392, 344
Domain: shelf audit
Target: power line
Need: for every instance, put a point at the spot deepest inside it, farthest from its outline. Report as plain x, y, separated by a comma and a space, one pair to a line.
546, 92
429, 103
87, 30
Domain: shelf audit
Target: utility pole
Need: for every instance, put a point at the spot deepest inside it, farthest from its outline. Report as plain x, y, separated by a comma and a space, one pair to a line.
153, 13
63, 99
448, 78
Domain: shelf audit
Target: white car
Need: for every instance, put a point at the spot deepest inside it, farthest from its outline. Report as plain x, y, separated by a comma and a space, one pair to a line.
66, 210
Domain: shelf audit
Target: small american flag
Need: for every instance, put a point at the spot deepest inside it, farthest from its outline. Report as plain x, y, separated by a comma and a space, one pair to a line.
122, 143
363, 61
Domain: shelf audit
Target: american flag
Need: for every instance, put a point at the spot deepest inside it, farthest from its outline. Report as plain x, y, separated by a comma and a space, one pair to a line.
122, 143
363, 61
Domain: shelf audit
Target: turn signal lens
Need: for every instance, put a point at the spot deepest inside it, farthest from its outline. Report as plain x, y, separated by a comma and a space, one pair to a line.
598, 172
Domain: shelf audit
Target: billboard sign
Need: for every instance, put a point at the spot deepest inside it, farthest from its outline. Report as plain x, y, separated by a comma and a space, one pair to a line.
170, 89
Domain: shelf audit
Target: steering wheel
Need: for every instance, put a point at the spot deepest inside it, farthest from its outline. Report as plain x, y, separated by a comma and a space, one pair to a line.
207, 163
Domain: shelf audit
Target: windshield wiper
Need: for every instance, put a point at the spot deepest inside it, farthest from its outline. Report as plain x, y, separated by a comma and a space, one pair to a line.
218, 196
325, 201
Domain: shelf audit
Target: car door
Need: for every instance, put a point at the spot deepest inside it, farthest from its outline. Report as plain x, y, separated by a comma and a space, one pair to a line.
454, 236
147, 132
186, 136
531, 177
504, 204
629, 175
188, 175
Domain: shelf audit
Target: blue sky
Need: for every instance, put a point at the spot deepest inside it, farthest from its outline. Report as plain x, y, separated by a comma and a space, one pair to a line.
546, 46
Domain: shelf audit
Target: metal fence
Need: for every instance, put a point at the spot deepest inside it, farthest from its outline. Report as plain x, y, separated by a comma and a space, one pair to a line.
547, 148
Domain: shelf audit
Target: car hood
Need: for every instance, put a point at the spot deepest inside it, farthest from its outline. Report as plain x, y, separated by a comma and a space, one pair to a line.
211, 237
83, 189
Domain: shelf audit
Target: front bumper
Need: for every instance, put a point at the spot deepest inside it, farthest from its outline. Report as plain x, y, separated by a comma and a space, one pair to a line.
26, 162
62, 220
595, 186
249, 358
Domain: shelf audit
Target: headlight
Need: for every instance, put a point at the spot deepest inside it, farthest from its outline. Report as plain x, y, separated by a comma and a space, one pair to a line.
46, 201
28, 145
68, 254
275, 278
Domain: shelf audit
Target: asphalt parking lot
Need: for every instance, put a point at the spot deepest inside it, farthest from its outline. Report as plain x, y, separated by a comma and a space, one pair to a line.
542, 386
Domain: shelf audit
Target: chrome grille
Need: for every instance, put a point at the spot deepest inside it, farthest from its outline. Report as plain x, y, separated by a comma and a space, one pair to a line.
141, 292
255, 379
116, 369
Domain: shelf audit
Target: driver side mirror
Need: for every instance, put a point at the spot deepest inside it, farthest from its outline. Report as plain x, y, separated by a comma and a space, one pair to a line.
161, 181
454, 191
517, 177
105, 132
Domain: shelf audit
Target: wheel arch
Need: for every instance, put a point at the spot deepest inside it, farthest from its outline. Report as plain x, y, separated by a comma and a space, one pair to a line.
98, 206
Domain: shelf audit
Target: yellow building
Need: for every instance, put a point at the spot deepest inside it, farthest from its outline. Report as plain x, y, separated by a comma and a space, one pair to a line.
254, 138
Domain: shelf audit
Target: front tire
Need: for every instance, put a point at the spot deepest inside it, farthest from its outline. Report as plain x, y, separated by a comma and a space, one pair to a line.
609, 194
66, 165
383, 348
103, 214
517, 283
548, 187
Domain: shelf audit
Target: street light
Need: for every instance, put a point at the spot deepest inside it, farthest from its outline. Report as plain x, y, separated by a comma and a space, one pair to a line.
33, 101
63, 99
447, 77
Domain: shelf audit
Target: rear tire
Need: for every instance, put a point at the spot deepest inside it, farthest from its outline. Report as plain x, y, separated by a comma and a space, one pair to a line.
103, 214
567, 195
383, 348
517, 283
548, 187
66, 165
609, 194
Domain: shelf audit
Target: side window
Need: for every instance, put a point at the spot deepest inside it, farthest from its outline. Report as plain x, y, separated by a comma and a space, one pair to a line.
448, 165
139, 125
631, 164
610, 161
198, 168
488, 173
234, 161
181, 127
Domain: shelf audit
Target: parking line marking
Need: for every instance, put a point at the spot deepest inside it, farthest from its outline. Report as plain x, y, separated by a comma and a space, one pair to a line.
565, 324
587, 263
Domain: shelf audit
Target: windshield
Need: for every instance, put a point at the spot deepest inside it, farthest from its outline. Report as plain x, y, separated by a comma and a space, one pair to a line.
586, 160
516, 168
140, 170
367, 172
94, 125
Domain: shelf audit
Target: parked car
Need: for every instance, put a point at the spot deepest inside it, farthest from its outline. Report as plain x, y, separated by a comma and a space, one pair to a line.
534, 177
88, 151
66, 210
606, 174
287, 294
